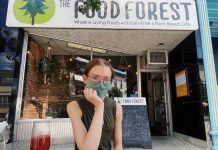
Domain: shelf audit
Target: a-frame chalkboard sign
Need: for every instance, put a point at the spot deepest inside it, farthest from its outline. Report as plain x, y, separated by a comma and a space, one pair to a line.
135, 125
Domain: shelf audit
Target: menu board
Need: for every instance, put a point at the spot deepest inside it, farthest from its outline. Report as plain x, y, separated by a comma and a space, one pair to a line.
135, 125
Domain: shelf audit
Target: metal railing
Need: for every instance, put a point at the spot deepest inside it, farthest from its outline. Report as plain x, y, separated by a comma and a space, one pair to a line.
61, 130
4, 102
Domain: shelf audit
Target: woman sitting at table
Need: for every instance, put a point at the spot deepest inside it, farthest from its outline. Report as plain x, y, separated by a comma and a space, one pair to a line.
95, 118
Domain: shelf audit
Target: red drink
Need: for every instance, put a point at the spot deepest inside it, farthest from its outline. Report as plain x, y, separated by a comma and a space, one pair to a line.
40, 142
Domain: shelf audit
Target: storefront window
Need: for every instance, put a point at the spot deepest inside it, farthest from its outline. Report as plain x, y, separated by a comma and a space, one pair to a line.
52, 81
10, 58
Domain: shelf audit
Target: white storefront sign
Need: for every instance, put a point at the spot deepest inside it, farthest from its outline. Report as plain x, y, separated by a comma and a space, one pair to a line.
114, 14
132, 100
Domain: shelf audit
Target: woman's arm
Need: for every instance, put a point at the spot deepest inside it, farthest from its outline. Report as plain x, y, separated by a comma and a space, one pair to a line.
87, 140
118, 128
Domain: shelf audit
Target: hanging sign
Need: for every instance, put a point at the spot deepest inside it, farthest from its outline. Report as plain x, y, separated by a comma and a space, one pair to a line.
114, 14
182, 88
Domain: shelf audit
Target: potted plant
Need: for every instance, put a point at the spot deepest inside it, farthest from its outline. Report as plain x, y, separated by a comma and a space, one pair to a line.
115, 92
49, 68
50, 113
39, 107
44, 68
93, 5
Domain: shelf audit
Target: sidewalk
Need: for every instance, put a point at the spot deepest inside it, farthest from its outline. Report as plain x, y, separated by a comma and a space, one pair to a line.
158, 143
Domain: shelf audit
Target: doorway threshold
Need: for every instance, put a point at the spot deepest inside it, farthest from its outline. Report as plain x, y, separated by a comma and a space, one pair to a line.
158, 143
169, 143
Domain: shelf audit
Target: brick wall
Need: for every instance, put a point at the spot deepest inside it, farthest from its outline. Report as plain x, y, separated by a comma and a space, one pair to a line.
32, 87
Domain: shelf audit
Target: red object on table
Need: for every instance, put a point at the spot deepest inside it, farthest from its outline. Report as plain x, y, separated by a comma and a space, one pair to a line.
41, 142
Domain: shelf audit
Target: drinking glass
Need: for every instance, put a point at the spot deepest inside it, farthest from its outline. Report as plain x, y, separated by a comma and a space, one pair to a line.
40, 139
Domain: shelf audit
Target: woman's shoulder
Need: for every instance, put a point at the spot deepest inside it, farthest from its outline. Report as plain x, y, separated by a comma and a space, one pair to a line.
73, 107
72, 103
75, 101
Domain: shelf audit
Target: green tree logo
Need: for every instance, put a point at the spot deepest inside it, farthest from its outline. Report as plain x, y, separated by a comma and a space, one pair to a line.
34, 11
33, 7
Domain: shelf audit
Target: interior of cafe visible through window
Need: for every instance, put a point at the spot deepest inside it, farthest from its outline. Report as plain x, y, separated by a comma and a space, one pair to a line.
53, 79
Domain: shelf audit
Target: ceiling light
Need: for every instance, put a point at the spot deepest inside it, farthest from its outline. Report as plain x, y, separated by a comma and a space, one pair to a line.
84, 47
82, 59
49, 47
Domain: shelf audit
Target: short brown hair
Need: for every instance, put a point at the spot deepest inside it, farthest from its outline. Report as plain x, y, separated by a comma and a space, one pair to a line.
98, 61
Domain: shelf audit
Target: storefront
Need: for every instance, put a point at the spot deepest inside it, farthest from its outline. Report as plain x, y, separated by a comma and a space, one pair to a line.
137, 49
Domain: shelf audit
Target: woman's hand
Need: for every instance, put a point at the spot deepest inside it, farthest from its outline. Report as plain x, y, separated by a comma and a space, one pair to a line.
92, 96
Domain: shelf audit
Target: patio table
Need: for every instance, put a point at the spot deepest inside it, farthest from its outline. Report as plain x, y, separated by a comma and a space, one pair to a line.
26, 146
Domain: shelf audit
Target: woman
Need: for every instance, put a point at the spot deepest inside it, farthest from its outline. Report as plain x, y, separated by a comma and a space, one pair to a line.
95, 118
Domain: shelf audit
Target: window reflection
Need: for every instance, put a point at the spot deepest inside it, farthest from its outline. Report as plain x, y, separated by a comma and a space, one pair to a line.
52, 81
8, 76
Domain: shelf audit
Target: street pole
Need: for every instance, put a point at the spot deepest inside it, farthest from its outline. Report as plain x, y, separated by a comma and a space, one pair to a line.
210, 73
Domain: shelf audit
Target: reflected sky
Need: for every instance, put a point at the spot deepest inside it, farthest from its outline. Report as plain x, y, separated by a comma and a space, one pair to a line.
5, 63
8, 44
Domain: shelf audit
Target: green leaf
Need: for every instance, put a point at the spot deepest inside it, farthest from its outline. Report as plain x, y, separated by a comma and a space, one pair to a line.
93, 5
43, 65
40, 11
24, 7
44, 7
27, 13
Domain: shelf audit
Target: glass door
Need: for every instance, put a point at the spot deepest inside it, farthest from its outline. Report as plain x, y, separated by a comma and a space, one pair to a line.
160, 122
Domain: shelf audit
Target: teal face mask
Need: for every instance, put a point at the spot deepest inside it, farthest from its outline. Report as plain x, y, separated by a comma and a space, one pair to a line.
100, 86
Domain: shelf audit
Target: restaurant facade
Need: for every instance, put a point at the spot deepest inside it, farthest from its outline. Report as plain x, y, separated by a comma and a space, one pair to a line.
162, 51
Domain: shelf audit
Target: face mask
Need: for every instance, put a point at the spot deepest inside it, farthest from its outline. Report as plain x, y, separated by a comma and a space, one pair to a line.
100, 86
